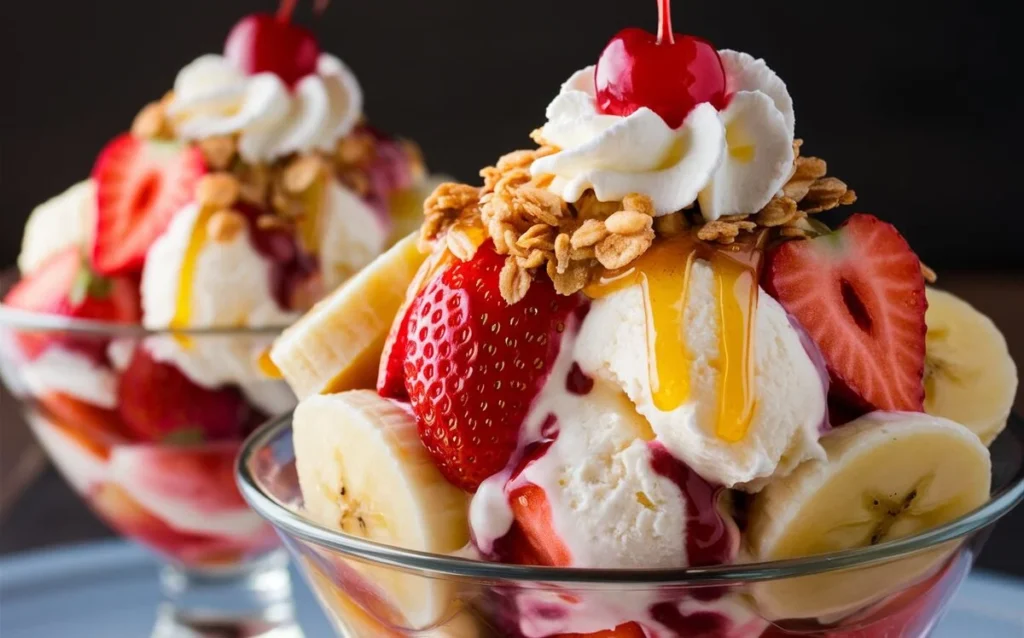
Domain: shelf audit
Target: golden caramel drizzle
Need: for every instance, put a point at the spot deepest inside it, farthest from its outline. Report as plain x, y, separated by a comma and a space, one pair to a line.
736, 290
182, 317
664, 272
309, 223
267, 366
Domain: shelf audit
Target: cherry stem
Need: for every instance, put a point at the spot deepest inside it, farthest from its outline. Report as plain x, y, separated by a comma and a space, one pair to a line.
284, 11
665, 35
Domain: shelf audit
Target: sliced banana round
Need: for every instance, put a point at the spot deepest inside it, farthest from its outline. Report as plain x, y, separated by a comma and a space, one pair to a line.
59, 222
351, 619
363, 470
969, 375
336, 346
888, 475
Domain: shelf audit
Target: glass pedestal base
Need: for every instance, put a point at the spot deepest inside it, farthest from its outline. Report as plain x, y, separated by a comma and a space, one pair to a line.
250, 601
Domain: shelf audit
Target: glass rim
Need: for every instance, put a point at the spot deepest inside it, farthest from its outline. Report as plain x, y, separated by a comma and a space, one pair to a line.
33, 321
29, 320
285, 519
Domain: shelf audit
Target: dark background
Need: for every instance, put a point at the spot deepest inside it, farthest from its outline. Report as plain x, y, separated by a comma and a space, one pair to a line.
913, 103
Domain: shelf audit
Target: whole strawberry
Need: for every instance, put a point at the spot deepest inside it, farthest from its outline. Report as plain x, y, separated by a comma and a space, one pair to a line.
473, 364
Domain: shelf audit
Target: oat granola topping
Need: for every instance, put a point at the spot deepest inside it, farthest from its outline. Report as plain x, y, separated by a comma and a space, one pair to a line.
541, 233
219, 151
285, 193
928, 274
301, 173
224, 225
217, 190
151, 122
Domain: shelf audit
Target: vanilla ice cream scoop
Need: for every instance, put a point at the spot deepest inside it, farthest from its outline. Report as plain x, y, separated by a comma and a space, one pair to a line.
353, 234
609, 505
789, 408
230, 288
617, 497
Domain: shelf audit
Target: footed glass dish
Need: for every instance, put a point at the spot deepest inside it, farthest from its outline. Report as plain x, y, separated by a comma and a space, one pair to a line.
894, 589
153, 455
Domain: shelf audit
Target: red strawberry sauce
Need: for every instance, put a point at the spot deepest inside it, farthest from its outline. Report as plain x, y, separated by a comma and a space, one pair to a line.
709, 540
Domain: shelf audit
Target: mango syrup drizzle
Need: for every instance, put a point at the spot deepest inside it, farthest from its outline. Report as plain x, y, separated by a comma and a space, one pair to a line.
182, 316
310, 223
663, 272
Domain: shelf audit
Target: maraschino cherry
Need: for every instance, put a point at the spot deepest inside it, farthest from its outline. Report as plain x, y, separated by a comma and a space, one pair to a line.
669, 73
263, 42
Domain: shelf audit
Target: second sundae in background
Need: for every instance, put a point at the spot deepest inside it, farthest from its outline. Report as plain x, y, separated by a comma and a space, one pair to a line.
235, 202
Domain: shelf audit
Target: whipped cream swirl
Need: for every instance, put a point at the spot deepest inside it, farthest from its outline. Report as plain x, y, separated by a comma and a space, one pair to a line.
213, 97
731, 161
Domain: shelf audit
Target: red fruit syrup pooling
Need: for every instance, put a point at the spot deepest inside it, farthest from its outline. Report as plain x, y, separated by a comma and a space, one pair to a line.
290, 266
701, 624
669, 73
709, 540
577, 381
389, 172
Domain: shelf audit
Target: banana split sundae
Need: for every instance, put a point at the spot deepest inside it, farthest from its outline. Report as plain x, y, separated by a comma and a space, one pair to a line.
235, 202
636, 346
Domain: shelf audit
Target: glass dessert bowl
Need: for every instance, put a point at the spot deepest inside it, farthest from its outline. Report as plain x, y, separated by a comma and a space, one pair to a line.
367, 588
150, 293
152, 453
636, 349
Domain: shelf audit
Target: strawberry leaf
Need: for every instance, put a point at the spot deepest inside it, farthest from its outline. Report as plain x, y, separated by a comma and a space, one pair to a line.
190, 435
89, 285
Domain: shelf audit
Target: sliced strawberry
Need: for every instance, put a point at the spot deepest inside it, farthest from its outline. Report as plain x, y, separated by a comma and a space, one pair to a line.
859, 293
94, 428
140, 185
158, 403
391, 375
532, 514
132, 519
626, 630
65, 285
474, 364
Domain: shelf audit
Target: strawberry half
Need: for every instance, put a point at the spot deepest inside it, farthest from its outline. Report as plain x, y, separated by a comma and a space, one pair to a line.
859, 293
158, 403
473, 364
140, 185
532, 513
65, 285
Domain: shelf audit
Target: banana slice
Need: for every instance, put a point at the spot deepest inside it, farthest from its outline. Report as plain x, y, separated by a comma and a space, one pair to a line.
363, 470
969, 375
336, 346
887, 476
61, 221
350, 619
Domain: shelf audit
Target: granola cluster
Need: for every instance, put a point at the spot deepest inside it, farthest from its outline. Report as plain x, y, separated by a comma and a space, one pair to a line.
535, 228
280, 188
539, 232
